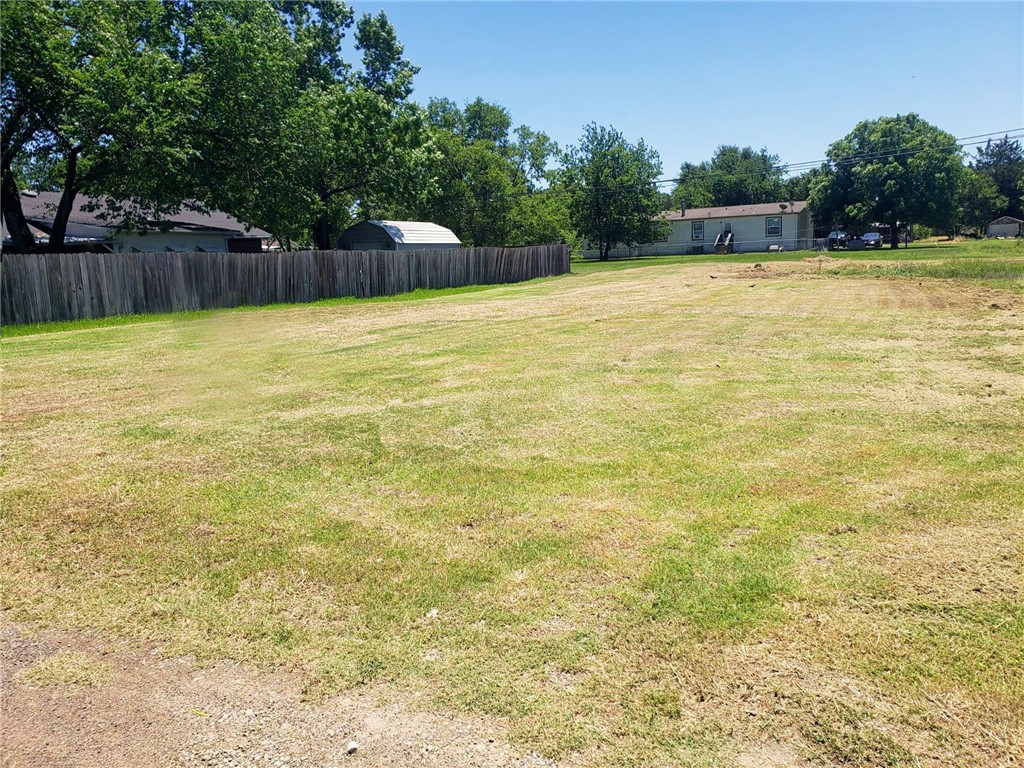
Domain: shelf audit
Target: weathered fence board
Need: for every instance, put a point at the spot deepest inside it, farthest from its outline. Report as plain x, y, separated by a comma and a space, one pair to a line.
39, 288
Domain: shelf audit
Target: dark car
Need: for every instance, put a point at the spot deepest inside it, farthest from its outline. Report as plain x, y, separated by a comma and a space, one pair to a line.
872, 240
836, 239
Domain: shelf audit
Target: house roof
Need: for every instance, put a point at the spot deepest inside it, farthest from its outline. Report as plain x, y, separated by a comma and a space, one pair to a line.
417, 232
39, 209
37, 234
1006, 220
735, 211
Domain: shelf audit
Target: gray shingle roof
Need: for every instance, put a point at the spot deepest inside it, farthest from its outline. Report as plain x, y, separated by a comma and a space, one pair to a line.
39, 208
727, 211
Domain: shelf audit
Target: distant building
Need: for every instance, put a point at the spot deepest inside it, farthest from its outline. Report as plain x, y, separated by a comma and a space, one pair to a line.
1005, 226
397, 236
729, 229
88, 230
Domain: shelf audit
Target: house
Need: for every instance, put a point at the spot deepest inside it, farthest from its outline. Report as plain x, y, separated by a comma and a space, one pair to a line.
729, 229
88, 228
397, 236
1005, 226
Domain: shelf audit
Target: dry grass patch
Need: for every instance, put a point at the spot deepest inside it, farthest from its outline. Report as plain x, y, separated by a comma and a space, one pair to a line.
68, 668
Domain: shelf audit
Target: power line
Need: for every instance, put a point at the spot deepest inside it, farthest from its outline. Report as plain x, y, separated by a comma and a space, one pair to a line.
851, 159
804, 166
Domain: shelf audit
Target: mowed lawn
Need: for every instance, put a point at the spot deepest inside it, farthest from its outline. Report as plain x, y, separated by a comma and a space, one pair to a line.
685, 514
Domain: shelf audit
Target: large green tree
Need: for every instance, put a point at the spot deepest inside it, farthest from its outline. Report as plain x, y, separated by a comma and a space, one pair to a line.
247, 107
613, 198
733, 176
493, 185
294, 138
895, 170
1003, 162
977, 202
798, 187
94, 94
350, 150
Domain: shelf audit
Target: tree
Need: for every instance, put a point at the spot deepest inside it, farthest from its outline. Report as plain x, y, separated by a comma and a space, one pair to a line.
348, 148
1003, 162
247, 107
384, 72
294, 139
693, 187
477, 181
612, 195
799, 187
733, 176
256, 63
94, 94
977, 202
490, 179
895, 170
542, 217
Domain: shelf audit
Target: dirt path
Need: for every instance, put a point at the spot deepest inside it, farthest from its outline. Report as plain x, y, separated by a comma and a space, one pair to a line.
135, 708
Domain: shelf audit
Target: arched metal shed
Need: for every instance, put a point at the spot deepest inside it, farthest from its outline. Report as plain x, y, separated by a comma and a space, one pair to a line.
397, 236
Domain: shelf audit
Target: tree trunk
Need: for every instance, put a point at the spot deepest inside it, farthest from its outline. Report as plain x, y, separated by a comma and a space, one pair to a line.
322, 234
10, 206
894, 235
66, 205
604, 251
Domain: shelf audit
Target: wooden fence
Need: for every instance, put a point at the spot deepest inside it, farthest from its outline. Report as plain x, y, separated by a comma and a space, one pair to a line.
69, 286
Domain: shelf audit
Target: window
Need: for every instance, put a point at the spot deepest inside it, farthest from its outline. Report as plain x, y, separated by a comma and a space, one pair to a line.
773, 226
697, 230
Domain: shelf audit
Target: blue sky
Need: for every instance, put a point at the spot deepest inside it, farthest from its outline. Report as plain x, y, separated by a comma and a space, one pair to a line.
686, 77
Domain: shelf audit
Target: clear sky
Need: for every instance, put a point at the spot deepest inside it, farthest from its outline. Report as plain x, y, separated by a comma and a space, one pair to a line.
687, 77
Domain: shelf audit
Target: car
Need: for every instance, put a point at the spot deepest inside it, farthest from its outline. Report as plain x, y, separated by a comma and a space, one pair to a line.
836, 239
872, 240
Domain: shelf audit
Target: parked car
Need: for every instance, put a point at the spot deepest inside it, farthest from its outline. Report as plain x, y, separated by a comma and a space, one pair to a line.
872, 240
836, 239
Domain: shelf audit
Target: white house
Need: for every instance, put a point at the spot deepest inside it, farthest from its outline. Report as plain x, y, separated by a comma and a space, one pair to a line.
729, 229
186, 230
397, 236
1005, 226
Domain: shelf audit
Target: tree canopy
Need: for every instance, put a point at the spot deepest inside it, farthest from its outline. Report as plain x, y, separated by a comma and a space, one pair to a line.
96, 99
492, 183
977, 202
294, 138
733, 176
1002, 161
613, 199
248, 107
894, 170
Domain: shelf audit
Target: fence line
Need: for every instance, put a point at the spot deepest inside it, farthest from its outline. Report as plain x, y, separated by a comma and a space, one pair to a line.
45, 287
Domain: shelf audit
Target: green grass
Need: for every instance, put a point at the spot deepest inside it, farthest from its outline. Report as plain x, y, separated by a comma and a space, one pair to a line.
31, 329
932, 249
643, 515
1007, 274
590, 266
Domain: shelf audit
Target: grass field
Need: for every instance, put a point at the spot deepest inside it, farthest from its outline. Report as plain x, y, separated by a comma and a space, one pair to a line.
647, 515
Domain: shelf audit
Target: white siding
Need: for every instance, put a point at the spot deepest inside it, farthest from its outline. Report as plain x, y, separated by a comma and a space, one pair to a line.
748, 236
